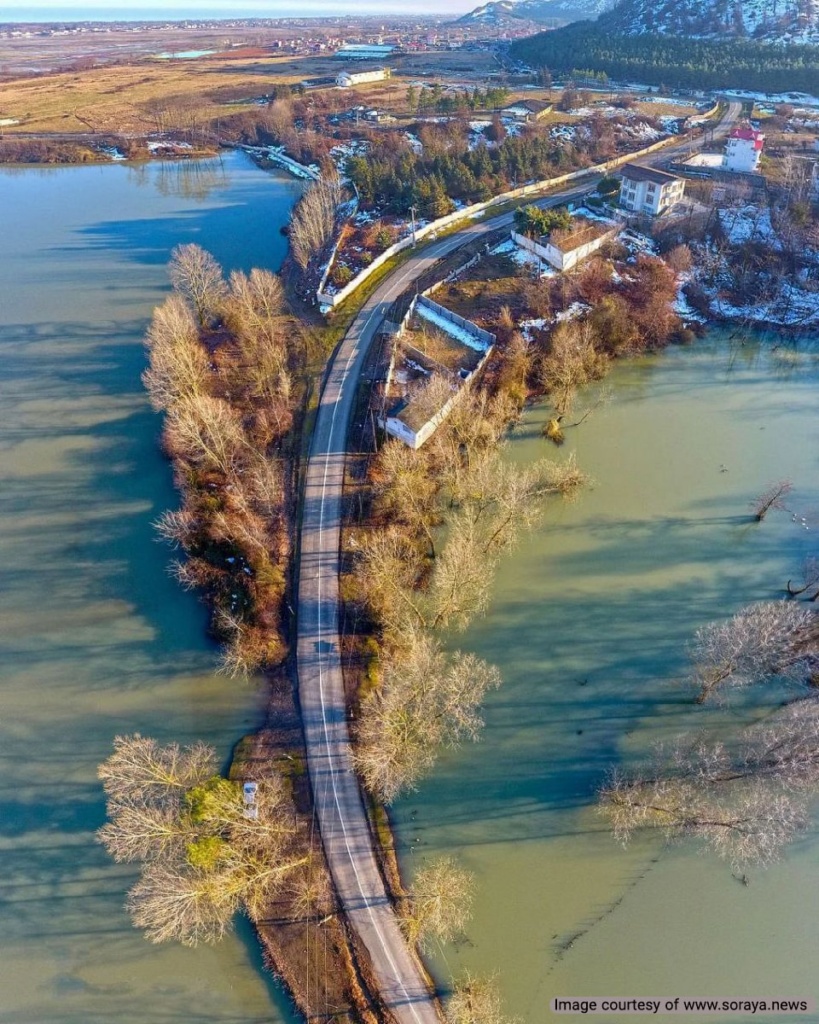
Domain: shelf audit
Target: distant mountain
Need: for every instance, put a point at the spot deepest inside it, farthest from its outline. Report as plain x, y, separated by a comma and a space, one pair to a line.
776, 21
497, 13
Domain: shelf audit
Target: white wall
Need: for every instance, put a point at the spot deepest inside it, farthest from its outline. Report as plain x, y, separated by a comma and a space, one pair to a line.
556, 257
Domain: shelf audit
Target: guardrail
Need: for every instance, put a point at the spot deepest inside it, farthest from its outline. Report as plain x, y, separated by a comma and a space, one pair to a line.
431, 229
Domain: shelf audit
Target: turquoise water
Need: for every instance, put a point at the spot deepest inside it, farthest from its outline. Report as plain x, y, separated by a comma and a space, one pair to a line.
96, 638
588, 624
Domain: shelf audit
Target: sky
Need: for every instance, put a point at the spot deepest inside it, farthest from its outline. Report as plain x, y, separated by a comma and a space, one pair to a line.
44, 10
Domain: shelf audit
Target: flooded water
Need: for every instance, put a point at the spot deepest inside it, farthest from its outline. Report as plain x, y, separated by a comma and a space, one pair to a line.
588, 624
96, 638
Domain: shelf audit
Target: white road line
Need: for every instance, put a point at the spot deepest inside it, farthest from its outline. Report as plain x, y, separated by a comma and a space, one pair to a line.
330, 759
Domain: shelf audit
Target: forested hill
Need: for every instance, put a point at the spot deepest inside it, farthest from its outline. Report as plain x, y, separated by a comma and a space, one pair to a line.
674, 61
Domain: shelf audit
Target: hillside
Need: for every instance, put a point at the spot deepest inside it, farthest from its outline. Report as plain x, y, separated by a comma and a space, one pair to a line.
659, 57
777, 21
497, 13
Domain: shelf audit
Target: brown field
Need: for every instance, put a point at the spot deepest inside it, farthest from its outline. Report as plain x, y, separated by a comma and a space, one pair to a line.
481, 292
118, 98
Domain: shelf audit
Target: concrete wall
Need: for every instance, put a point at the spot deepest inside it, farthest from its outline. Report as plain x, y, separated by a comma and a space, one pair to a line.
556, 257
395, 427
484, 338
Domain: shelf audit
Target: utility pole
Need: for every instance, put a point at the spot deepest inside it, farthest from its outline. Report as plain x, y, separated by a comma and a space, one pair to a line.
412, 216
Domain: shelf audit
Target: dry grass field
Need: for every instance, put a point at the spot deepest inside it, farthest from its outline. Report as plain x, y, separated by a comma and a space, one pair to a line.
131, 98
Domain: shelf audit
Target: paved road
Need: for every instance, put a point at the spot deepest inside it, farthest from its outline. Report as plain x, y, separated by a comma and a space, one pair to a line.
338, 801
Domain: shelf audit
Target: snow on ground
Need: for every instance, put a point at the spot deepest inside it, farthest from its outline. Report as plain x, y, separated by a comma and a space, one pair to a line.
6, 122
567, 132
637, 244
573, 312
158, 147
527, 326
793, 307
453, 330
803, 98
112, 152
681, 306
748, 223
523, 258
415, 142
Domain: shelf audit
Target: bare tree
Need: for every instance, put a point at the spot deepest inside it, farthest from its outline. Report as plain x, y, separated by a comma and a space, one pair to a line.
208, 848
771, 497
573, 361
748, 824
141, 769
440, 903
172, 903
313, 219
462, 577
426, 700
406, 489
746, 800
178, 364
476, 1000
206, 431
772, 639
810, 580
197, 276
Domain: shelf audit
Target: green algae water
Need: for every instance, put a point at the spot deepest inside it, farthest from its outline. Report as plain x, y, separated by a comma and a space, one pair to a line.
97, 640
588, 624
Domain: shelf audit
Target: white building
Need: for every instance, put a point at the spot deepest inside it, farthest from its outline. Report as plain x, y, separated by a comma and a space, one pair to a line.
647, 190
347, 79
743, 149
365, 51
570, 247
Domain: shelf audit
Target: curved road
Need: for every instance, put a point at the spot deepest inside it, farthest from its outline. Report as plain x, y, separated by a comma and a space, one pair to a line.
338, 801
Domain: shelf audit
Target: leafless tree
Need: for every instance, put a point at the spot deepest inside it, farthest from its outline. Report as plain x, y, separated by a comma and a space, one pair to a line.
178, 364
172, 903
177, 527
440, 903
476, 1000
771, 639
313, 219
809, 581
207, 850
746, 800
426, 700
461, 580
406, 489
143, 770
197, 277
206, 431
388, 573
572, 362
748, 824
771, 497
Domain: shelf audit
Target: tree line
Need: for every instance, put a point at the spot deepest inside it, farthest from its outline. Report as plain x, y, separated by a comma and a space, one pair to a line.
223, 359
394, 177
672, 60
444, 515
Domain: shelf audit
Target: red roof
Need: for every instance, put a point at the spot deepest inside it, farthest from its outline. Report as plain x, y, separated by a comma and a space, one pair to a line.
749, 134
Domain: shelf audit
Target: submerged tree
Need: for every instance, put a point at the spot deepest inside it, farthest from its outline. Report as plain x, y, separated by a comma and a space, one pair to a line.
476, 1000
207, 848
772, 497
746, 801
769, 640
427, 700
440, 903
